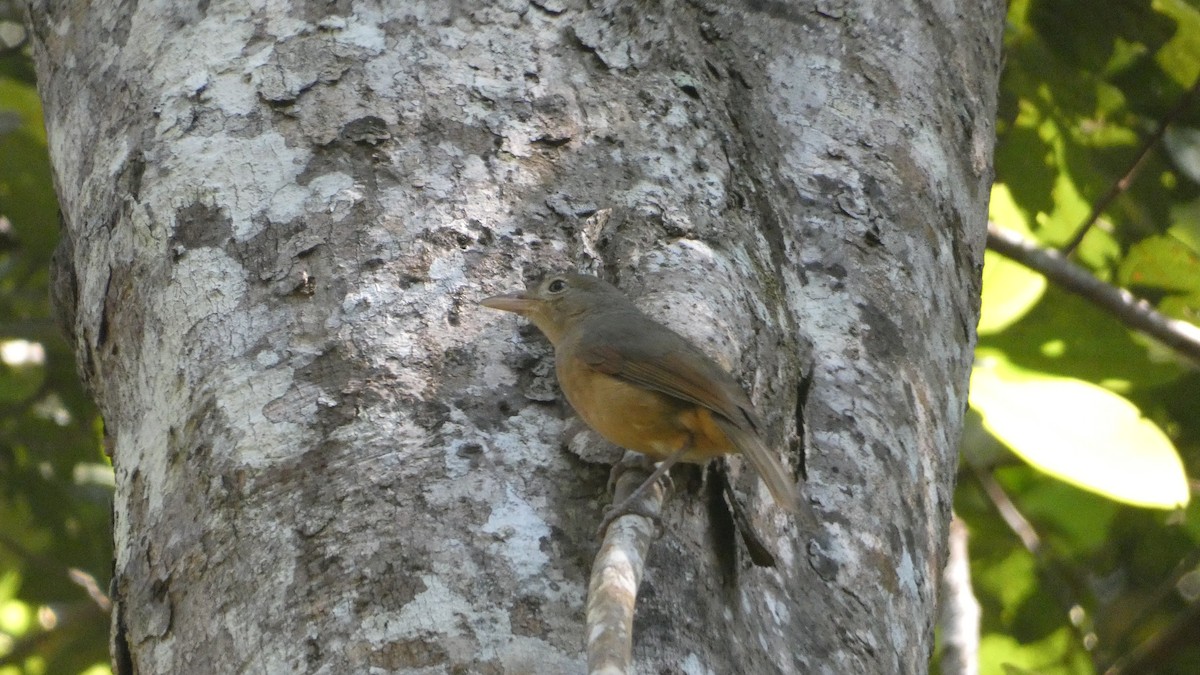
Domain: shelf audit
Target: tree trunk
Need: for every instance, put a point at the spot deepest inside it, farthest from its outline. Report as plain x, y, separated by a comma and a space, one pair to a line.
329, 459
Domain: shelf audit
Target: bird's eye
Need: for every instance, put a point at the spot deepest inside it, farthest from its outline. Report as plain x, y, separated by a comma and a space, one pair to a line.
557, 286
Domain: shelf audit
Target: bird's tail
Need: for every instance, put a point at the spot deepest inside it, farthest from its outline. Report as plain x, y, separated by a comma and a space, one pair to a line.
778, 479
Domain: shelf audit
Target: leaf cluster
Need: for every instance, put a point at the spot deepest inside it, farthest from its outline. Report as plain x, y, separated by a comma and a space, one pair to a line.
1087, 430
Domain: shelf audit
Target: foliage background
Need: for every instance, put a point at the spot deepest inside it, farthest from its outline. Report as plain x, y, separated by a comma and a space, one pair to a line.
55, 482
1106, 587
1100, 586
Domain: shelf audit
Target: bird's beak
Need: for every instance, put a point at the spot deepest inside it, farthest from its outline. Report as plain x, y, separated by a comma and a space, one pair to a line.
519, 303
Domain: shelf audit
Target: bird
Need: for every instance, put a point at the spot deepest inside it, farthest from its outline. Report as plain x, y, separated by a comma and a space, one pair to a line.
641, 385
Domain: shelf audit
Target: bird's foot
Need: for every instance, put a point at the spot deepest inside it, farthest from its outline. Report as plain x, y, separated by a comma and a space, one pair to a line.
635, 505
642, 501
631, 461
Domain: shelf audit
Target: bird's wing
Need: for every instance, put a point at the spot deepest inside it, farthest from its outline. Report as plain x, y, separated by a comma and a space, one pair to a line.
674, 374
684, 373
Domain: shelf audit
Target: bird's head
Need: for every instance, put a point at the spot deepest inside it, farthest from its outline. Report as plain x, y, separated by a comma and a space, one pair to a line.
557, 299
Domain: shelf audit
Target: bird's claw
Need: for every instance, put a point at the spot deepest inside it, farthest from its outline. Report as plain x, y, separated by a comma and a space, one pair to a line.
638, 502
631, 507
632, 461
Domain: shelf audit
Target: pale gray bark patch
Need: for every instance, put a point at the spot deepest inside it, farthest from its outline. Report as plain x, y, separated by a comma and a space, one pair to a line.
330, 460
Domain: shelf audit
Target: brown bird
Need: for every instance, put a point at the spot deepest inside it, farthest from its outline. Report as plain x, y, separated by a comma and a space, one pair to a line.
641, 385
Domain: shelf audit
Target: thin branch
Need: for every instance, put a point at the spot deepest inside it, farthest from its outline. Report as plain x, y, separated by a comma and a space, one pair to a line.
47, 565
1125, 181
1058, 581
616, 574
1134, 312
1012, 516
960, 612
88, 583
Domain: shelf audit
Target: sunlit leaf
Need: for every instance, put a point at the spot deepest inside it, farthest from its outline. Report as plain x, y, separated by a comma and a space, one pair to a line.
1182, 307
1185, 224
1180, 56
1067, 335
1080, 433
1162, 262
1069, 207
1010, 290
1053, 655
1010, 581
21, 99
16, 617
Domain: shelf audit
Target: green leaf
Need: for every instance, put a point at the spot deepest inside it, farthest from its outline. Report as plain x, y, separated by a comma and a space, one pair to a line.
1008, 581
1185, 224
1162, 263
1010, 290
1054, 655
1165, 264
26, 188
1079, 433
21, 100
1182, 307
1180, 56
1085, 35
1069, 336
19, 380
1055, 506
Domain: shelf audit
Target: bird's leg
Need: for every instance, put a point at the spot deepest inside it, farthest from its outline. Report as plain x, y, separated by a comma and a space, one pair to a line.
629, 460
628, 504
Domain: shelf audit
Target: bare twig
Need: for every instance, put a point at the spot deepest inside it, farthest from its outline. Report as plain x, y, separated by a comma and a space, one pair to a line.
47, 565
1016, 521
616, 575
1134, 312
1125, 181
1058, 580
960, 611
88, 583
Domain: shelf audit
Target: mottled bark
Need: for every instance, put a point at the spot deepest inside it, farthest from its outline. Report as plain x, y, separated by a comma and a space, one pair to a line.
328, 459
